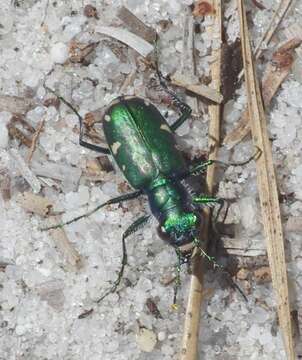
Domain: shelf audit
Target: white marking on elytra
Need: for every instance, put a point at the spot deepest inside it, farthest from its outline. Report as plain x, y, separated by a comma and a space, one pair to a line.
124, 167
146, 102
165, 127
107, 118
115, 146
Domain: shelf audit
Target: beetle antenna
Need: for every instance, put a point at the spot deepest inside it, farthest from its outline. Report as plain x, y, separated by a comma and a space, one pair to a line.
255, 156
68, 104
71, 107
222, 269
184, 108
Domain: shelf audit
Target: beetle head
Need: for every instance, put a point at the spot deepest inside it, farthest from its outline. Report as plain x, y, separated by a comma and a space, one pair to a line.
181, 231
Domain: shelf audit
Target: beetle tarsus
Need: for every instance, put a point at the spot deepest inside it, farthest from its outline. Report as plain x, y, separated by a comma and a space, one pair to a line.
125, 197
140, 222
82, 142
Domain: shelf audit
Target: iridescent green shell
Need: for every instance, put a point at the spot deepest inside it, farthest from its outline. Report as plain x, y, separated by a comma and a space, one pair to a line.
141, 141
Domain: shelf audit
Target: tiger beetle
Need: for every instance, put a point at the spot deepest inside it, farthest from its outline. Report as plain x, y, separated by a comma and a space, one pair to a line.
143, 145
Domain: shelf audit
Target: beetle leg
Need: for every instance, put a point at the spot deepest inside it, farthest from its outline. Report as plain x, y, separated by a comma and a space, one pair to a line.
83, 143
182, 106
129, 196
93, 147
186, 112
140, 222
209, 200
197, 169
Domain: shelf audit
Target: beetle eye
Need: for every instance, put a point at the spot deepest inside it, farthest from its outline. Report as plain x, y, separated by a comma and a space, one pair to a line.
162, 233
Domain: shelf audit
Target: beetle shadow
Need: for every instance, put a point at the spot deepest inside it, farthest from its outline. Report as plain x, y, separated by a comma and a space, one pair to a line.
217, 229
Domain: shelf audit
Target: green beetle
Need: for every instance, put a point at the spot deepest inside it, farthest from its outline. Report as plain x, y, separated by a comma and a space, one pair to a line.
143, 145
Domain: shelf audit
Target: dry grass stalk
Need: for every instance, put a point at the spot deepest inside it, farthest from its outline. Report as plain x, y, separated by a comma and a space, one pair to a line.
272, 27
267, 187
276, 72
196, 291
279, 14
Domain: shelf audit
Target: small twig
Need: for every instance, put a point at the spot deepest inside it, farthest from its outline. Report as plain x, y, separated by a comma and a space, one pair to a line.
279, 14
200, 89
136, 26
267, 188
34, 140
196, 292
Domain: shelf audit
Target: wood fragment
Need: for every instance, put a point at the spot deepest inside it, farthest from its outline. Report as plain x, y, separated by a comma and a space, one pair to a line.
35, 204
90, 11
136, 26
188, 67
68, 175
196, 292
15, 104
128, 38
34, 140
5, 184
267, 189
200, 89
19, 119
283, 57
128, 81
63, 244
78, 52
25, 171
258, 5
263, 275
16, 133
295, 31
52, 101
131, 76
202, 8
275, 73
